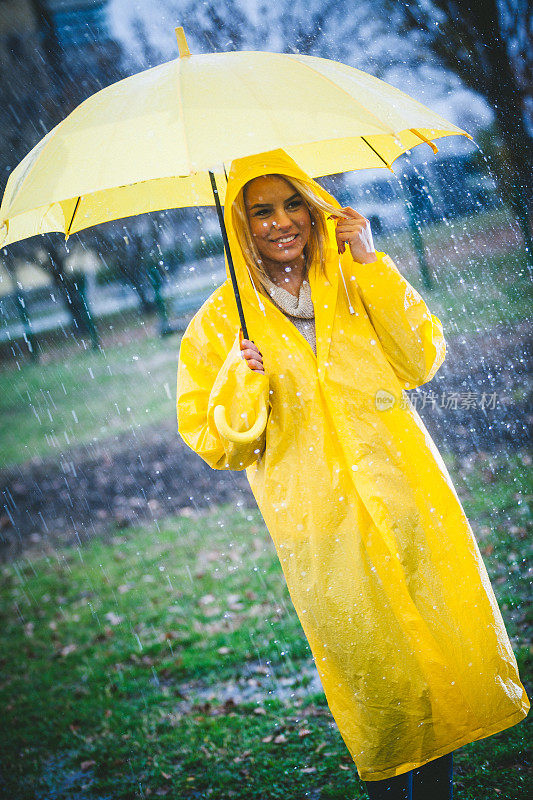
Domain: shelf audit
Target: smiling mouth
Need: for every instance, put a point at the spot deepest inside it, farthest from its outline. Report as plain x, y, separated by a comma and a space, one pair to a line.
285, 239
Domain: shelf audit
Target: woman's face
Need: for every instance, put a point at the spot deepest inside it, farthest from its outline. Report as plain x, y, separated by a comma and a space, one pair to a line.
278, 217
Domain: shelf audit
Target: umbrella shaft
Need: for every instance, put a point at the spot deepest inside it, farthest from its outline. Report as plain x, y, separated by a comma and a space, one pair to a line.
228, 254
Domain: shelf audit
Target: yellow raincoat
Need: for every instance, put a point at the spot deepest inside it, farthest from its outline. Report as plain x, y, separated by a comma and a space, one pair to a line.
379, 558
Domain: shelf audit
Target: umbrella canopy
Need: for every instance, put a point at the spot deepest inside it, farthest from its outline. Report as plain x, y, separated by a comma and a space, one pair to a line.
148, 142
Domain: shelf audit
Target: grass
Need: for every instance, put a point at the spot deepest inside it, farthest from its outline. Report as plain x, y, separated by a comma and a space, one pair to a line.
104, 647
497, 493
439, 233
472, 296
472, 290
92, 396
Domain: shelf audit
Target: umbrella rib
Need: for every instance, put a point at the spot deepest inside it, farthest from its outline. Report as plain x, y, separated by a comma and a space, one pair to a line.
378, 155
67, 233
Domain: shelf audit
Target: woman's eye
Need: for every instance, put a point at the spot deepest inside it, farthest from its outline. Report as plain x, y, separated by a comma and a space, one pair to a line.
263, 212
295, 203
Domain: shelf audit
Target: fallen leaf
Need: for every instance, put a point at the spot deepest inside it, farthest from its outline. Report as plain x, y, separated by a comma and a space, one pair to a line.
206, 600
212, 612
114, 619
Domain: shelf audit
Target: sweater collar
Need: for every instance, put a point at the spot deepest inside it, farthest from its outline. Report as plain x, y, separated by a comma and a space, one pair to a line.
301, 306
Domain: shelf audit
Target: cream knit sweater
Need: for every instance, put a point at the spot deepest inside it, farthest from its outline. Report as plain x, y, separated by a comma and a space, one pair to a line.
299, 309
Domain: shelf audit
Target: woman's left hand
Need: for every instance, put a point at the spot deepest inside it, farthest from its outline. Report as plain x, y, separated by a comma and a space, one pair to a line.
355, 231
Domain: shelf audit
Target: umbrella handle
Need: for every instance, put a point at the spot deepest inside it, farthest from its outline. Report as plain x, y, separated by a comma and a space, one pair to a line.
239, 436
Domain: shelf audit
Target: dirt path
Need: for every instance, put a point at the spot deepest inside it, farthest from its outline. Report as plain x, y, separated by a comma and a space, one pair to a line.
131, 479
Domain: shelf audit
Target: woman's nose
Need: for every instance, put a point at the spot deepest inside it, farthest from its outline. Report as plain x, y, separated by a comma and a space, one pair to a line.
281, 220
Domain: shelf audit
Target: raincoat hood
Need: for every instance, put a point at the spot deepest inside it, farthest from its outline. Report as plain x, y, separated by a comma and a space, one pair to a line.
274, 162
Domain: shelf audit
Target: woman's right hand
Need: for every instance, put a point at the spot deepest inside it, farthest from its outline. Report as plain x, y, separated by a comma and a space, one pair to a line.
252, 356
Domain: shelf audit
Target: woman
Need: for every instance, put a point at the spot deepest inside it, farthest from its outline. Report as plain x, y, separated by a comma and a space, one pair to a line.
379, 558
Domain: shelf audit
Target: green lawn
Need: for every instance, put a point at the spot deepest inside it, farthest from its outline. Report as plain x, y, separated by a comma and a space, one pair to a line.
475, 295
91, 396
472, 290
439, 233
102, 646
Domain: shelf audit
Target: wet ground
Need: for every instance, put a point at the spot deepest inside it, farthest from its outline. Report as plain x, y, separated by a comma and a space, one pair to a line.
479, 401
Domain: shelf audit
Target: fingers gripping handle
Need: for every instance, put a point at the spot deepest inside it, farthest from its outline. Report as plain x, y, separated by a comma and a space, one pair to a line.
243, 437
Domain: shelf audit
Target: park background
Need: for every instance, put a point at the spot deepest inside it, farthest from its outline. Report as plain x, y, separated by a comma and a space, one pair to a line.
149, 646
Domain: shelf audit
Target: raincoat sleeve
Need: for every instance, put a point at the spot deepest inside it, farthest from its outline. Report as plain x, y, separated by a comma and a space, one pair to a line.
411, 336
205, 380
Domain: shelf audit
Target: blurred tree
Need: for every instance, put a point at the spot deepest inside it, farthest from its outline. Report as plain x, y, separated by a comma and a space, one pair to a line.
487, 43
71, 287
51, 58
126, 253
495, 150
131, 263
20, 302
131, 254
317, 27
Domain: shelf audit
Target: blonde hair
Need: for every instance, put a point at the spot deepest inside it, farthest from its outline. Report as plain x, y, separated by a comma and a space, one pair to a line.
315, 247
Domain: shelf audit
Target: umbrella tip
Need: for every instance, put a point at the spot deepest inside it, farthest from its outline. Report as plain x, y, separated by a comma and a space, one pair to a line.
183, 47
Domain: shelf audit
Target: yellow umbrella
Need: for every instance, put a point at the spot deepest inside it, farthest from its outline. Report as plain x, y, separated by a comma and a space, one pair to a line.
147, 143
156, 140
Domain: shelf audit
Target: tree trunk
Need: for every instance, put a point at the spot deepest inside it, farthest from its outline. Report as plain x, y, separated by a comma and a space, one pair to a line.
147, 304
520, 161
70, 288
506, 98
